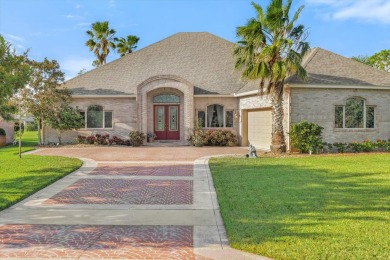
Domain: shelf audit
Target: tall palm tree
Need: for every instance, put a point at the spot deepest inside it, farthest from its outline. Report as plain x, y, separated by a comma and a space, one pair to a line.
102, 39
127, 45
270, 49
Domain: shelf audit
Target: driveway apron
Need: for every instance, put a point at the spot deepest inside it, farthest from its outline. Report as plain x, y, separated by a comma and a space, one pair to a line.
123, 203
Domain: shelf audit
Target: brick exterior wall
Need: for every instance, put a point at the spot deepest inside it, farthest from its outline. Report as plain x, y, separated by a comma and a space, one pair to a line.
229, 103
124, 119
166, 85
318, 106
9, 130
259, 102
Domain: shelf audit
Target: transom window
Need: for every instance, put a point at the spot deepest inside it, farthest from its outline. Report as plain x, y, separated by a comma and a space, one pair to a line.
165, 98
216, 116
355, 114
97, 117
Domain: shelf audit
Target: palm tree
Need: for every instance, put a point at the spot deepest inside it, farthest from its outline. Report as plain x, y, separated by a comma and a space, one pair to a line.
102, 39
270, 49
127, 45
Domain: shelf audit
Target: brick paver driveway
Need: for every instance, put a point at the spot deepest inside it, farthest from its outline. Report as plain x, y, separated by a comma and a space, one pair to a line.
127, 203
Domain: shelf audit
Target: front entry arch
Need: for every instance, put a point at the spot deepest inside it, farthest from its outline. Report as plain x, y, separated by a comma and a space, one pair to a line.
167, 122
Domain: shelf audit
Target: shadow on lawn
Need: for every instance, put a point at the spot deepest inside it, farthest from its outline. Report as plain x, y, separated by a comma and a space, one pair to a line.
267, 202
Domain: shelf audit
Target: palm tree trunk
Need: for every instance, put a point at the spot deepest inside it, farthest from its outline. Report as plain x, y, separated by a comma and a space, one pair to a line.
278, 140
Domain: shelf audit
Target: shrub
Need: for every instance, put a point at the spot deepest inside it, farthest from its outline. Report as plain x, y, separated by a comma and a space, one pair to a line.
102, 139
306, 136
136, 138
198, 137
81, 139
356, 147
341, 147
367, 146
220, 138
2, 132
90, 139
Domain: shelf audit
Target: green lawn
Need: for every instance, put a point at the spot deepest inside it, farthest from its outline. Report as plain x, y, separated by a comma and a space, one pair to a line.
319, 207
20, 178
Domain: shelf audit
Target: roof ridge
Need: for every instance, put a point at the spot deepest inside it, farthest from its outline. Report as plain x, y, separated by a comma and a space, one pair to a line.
311, 56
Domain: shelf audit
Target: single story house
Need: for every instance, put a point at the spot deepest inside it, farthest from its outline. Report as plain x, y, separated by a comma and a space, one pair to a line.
9, 130
166, 87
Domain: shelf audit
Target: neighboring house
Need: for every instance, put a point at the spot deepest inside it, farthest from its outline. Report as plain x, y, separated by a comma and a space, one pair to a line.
166, 87
9, 130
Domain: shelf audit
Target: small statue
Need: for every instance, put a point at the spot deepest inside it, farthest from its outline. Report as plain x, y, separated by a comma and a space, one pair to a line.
251, 152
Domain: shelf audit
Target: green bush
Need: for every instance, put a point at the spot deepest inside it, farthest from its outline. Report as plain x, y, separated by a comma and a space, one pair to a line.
341, 147
306, 136
356, 147
2, 132
137, 138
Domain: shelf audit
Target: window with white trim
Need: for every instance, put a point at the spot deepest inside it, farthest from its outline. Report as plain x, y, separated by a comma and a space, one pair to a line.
97, 117
355, 114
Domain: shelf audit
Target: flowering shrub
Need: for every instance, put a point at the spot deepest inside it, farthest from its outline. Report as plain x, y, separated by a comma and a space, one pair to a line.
213, 138
136, 138
101, 139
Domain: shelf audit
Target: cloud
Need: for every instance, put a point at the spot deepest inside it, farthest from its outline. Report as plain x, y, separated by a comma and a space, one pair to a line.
14, 37
71, 16
368, 11
73, 65
78, 6
83, 24
112, 3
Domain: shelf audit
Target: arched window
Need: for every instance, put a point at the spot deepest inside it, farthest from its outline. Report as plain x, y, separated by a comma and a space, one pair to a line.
215, 116
355, 114
97, 117
166, 98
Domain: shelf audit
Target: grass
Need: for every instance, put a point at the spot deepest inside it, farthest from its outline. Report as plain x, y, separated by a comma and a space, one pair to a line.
318, 207
20, 178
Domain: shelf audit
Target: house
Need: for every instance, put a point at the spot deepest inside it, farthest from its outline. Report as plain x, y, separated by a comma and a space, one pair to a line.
166, 87
9, 130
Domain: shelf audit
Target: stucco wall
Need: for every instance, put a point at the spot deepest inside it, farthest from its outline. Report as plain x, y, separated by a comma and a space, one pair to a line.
9, 130
124, 118
229, 103
318, 106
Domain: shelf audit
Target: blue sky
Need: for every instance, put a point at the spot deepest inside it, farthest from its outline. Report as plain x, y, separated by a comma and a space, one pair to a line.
56, 28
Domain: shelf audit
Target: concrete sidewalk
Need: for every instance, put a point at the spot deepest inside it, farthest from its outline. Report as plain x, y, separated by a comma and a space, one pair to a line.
130, 199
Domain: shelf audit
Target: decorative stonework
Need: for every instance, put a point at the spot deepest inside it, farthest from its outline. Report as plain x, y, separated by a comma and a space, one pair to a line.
144, 170
93, 242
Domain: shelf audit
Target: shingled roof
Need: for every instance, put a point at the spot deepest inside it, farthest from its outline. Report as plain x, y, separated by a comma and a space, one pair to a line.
327, 68
203, 59
207, 62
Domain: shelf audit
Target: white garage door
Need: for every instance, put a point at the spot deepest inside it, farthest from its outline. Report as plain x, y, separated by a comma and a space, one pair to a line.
260, 128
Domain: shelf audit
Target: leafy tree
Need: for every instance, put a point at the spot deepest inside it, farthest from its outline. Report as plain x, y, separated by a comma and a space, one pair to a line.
270, 49
380, 60
102, 39
14, 75
65, 118
127, 45
45, 92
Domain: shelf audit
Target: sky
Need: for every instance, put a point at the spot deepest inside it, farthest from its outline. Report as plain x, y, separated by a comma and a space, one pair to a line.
56, 28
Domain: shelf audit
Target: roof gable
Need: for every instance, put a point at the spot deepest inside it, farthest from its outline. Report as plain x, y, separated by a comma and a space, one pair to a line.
203, 59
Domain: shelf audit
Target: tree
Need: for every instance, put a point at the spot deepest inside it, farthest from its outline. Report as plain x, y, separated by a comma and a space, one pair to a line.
65, 118
45, 92
102, 39
127, 45
14, 75
270, 49
380, 60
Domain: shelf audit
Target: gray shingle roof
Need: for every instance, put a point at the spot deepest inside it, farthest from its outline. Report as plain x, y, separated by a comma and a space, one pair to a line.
203, 59
207, 62
327, 68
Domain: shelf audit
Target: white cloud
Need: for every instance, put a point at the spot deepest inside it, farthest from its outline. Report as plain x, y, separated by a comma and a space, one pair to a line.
69, 16
72, 66
14, 37
366, 10
83, 24
112, 3
78, 6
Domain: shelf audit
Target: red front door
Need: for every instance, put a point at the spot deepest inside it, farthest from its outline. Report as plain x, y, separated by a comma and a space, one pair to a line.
166, 122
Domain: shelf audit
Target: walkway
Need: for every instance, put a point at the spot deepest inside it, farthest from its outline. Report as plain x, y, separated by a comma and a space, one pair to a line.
124, 203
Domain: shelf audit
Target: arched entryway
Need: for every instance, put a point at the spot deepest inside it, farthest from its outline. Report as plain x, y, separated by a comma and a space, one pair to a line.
166, 108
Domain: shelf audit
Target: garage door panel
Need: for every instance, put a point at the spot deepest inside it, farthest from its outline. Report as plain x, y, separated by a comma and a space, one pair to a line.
260, 128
